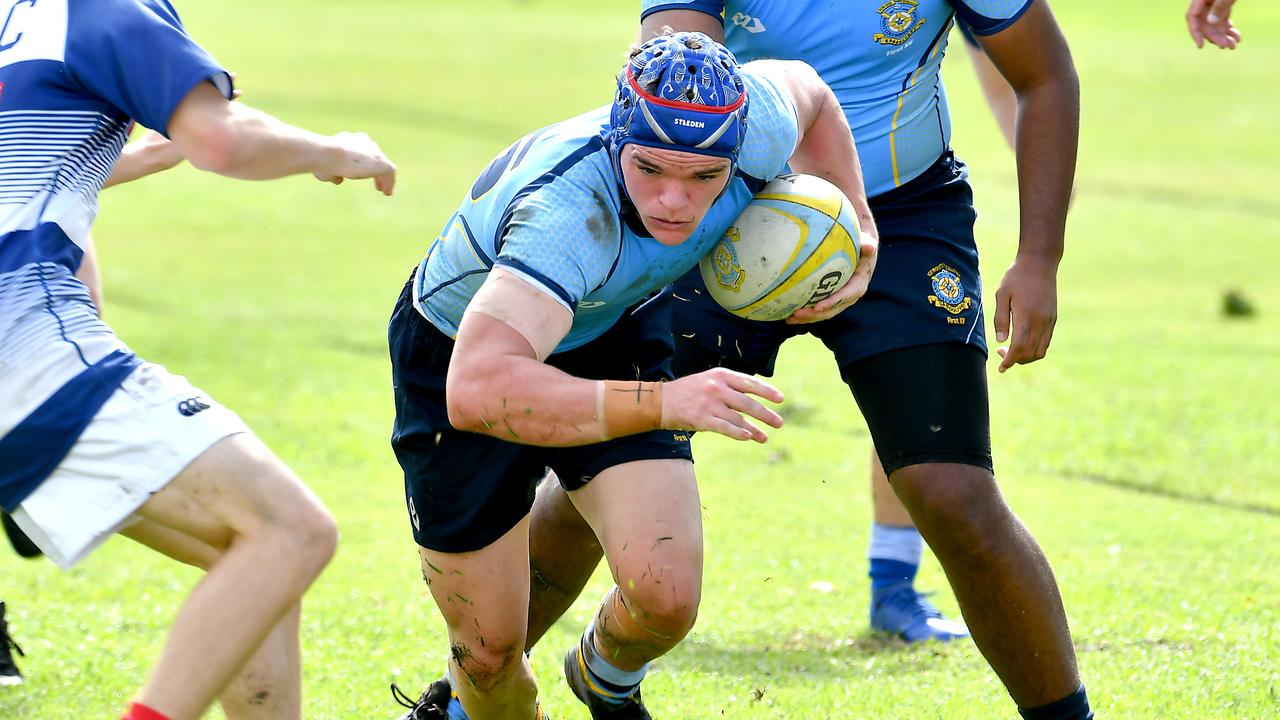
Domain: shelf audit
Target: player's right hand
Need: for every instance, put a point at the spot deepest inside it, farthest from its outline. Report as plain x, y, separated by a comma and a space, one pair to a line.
360, 158
719, 400
1211, 20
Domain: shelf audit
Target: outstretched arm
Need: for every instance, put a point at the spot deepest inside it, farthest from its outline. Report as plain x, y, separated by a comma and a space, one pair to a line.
233, 139
1033, 56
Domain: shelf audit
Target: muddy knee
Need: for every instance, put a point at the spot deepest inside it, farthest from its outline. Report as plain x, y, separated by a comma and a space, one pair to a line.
487, 664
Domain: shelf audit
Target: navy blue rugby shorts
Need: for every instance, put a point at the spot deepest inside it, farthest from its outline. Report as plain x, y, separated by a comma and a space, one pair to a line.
925, 290
464, 490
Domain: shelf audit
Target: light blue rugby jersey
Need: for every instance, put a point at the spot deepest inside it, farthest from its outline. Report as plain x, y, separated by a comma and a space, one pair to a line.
549, 209
73, 74
880, 57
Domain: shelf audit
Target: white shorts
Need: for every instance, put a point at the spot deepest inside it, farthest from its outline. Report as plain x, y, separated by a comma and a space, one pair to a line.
153, 426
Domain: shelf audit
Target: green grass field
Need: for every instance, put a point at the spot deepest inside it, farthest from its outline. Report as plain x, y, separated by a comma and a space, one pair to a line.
1144, 453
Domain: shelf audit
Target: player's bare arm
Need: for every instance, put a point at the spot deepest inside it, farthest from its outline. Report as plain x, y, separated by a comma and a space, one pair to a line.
499, 386
149, 154
1211, 20
1033, 56
689, 20
825, 148
233, 139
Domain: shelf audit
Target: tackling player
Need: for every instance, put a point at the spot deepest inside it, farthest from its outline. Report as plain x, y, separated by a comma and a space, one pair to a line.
529, 337
150, 154
95, 441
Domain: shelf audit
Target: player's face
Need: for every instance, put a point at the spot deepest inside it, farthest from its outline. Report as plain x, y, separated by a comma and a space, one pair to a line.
672, 190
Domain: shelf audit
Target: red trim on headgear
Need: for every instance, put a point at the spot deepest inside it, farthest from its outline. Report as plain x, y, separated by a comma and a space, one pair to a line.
680, 105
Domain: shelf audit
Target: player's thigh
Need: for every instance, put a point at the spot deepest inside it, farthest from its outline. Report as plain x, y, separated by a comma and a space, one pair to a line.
237, 487
137, 456
173, 543
563, 548
925, 404
647, 515
483, 594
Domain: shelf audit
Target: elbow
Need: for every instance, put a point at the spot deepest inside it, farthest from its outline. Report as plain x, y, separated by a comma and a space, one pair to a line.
465, 403
213, 148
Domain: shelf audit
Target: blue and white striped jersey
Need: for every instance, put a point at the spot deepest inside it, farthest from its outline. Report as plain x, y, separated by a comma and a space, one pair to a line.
74, 75
881, 58
549, 209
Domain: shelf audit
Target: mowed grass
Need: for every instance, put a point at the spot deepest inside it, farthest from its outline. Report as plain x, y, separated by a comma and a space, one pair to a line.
1143, 453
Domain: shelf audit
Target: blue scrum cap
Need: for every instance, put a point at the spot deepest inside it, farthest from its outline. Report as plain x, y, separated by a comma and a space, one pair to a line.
696, 101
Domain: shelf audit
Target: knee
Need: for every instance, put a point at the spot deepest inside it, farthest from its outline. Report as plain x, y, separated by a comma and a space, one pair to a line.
957, 507
302, 528
665, 606
488, 663
316, 537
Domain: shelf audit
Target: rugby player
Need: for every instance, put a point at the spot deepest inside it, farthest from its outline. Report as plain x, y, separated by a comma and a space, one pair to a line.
530, 337
913, 350
93, 440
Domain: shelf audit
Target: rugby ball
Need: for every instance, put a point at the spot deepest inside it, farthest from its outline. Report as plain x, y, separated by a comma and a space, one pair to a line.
794, 245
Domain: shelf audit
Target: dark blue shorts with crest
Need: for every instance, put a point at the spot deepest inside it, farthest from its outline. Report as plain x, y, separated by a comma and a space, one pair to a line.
925, 290
912, 350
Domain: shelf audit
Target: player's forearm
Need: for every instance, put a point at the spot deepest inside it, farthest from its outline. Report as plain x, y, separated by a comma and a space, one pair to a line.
143, 157
521, 400
1047, 136
251, 145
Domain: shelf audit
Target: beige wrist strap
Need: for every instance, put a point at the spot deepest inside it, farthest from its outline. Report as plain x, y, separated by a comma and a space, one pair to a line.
628, 407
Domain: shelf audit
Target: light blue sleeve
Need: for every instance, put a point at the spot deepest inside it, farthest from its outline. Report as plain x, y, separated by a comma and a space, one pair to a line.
772, 126
988, 17
564, 238
649, 7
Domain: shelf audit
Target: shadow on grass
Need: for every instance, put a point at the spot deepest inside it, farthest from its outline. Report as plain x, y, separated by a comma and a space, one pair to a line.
811, 655
1138, 486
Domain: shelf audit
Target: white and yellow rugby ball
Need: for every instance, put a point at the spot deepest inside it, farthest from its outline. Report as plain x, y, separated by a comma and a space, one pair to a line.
794, 245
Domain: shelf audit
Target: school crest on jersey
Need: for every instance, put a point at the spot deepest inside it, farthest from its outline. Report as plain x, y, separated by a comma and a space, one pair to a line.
899, 20
724, 258
948, 290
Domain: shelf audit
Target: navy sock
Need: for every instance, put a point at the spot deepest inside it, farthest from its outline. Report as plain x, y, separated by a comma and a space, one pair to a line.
1072, 707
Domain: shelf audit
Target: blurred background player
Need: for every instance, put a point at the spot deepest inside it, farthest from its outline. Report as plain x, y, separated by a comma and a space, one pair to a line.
554, 256
1207, 20
92, 439
9, 672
